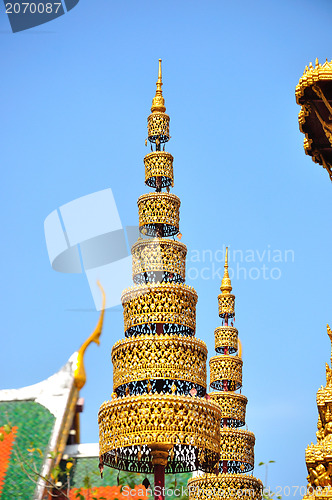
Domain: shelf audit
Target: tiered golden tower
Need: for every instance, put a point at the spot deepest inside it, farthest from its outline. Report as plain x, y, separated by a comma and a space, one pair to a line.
236, 445
159, 418
318, 456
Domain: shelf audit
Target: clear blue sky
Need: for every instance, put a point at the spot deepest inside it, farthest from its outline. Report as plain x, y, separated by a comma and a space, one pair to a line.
75, 94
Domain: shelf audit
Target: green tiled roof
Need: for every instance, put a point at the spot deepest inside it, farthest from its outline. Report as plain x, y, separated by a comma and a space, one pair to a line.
35, 424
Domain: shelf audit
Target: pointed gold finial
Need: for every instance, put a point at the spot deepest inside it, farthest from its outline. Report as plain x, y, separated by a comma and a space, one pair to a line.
79, 374
329, 332
158, 102
226, 286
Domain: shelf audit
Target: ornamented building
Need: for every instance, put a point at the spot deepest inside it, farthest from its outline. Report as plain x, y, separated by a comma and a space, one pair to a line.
159, 419
314, 95
318, 456
236, 445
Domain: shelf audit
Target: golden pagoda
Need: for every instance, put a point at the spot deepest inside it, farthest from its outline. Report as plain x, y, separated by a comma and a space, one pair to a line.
318, 456
314, 95
159, 419
236, 445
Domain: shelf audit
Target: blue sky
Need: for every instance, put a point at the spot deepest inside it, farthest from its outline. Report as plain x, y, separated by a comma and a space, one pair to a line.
75, 96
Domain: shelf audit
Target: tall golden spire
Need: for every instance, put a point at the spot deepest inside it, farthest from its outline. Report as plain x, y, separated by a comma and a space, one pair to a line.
158, 102
226, 285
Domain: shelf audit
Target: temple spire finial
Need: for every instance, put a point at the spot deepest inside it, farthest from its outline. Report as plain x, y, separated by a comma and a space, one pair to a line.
226, 286
158, 102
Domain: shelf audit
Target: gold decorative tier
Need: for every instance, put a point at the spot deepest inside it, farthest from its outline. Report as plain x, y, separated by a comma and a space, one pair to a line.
226, 305
226, 370
159, 214
226, 337
129, 426
158, 258
229, 486
233, 407
163, 357
237, 447
167, 303
158, 127
159, 164
314, 94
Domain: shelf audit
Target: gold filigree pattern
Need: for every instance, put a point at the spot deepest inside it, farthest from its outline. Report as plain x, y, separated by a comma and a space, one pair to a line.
225, 368
237, 445
160, 209
233, 406
159, 303
158, 127
226, 305
164, 357
318, 456
159, 164
153, 418
226, 336
311, 76
159, 255
229, 486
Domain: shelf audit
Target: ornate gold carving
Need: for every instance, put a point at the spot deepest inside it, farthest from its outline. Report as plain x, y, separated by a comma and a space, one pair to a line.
310, 81
319, 456
153, 418
229, 486
226, 368
226, 336
159, 303
158, 127
233, 406
159, 164
311, 76
79, 374
159, 255
164, 357
237, 445
158, 209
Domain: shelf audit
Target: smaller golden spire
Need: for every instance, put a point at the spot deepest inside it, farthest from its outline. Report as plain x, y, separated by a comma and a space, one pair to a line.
329, 332
226, 286
158, 102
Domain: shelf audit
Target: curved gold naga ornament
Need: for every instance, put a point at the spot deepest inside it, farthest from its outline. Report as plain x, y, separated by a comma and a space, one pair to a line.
79, 374
239, 344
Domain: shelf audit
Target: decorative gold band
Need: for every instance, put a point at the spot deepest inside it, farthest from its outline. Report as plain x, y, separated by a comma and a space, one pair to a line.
159, 255
159, 357
226, 368
166, 419
158, 127
159, 211
159, 164
233, 407
159, 303
226, 305
229, 486
237, 445
226, 336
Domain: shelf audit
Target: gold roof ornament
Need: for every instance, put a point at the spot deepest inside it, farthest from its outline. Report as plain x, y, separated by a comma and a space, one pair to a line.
160, 419
314, 94
226, 300
158, 102
236, 445
318, 456
79, 374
